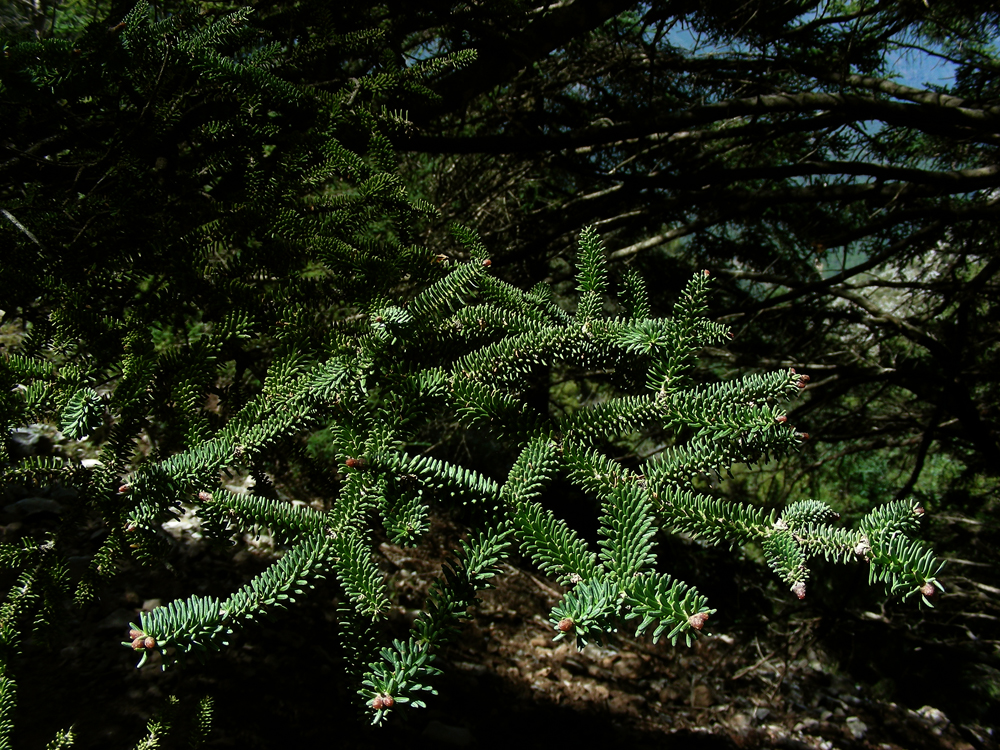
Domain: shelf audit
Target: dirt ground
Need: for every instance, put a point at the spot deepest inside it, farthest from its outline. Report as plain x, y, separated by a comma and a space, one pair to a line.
773, 673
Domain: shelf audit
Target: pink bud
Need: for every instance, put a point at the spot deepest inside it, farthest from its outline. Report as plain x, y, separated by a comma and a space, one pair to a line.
697, 621
799, 589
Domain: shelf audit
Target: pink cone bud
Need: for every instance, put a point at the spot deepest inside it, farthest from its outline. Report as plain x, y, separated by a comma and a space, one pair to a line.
929, 590
799, 589
697, 620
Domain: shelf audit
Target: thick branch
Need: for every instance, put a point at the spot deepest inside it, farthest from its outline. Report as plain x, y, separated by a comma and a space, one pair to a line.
500, 60
978, 125
965, 180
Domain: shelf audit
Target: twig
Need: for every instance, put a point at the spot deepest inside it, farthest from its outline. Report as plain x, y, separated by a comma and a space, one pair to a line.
21, 226
747, 670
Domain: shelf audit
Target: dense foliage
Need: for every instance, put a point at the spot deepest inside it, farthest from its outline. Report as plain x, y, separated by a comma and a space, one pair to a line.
209, 255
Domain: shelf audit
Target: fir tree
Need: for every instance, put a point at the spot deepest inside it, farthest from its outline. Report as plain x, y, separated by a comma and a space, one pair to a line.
183, 218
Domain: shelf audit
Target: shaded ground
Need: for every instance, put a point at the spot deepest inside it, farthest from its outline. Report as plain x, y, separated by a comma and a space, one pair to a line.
780, 677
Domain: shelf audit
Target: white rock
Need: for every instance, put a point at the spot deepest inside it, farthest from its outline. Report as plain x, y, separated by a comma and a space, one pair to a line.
856, 727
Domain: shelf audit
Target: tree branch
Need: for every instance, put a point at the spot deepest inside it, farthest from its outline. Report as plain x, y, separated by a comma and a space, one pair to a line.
966, 123
499, 60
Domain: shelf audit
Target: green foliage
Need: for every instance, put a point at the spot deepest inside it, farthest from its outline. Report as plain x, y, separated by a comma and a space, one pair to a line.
8, 701
202, 722
592, 277
271, 266
398, 676
359, 576
82, 414
169, 725
658, 598
63, 739
588, 611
